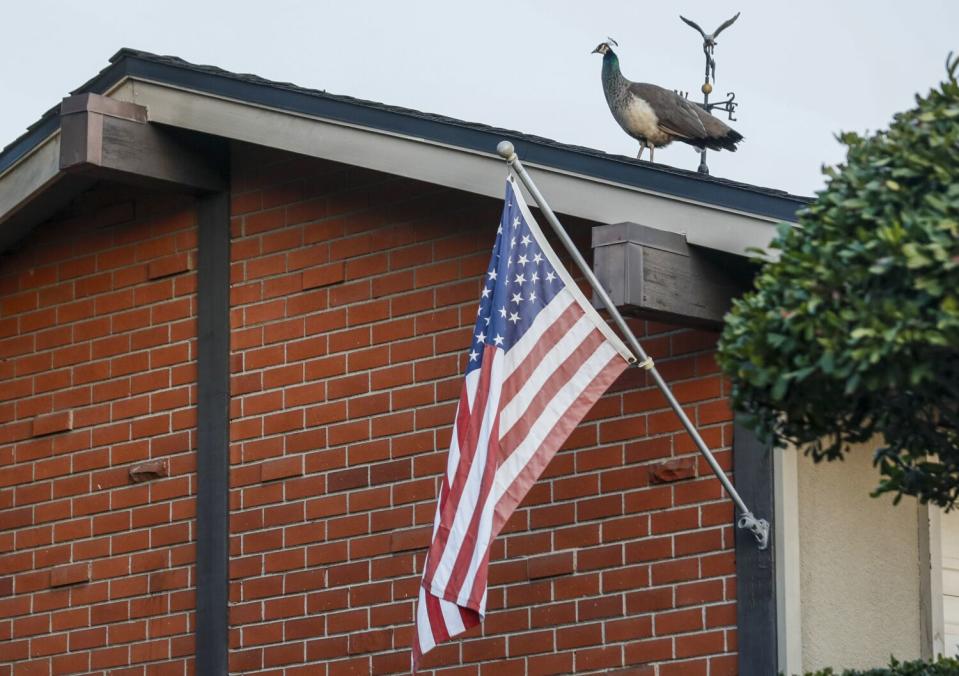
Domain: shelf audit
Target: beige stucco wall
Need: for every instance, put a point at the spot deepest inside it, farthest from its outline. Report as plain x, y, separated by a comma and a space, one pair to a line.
859, 567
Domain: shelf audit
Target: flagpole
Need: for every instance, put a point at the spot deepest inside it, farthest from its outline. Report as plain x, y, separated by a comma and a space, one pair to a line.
758, 527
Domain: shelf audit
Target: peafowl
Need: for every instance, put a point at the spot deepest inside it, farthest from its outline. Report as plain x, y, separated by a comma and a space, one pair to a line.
655, 116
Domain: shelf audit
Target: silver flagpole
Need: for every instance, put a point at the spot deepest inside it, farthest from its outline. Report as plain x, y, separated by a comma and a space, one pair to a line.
758, 527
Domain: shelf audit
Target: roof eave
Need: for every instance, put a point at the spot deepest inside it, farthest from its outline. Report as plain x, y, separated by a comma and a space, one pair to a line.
712, 212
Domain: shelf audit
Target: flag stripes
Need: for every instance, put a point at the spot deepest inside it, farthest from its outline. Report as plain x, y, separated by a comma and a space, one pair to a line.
540, 358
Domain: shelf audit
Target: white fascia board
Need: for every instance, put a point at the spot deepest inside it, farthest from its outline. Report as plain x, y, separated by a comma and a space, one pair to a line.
417, 158
29, 176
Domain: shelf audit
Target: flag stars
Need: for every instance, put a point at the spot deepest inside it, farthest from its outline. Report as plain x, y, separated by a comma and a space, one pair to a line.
522, 260
480, 337
502, 312
512, 242
498, 339
517, 298
550, 276
537, 258
526, 240
492, 274
516, 222
520, 279
532, 296
486, 292
513, 317
535, 277
474, 355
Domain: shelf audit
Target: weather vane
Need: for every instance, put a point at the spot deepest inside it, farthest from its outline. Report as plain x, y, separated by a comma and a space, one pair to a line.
728, 105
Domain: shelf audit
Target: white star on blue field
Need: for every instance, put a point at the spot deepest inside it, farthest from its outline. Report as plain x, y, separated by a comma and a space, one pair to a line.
519, 282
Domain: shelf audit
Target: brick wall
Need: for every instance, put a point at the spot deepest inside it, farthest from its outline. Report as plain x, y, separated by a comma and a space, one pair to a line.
97, 335
352, 302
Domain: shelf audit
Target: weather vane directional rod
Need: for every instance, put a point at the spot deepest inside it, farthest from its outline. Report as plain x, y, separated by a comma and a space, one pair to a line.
728, 105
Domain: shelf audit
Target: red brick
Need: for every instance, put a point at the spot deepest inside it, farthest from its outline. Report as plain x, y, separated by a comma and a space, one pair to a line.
579, 636
528, 644
61, 421
551, 565
281, 468
323, 275
70, 574
170, 265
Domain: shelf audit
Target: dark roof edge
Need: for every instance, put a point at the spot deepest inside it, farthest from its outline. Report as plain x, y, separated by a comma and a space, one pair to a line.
478, 137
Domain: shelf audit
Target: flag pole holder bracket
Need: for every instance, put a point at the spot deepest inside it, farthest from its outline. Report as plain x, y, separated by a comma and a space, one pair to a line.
758, 527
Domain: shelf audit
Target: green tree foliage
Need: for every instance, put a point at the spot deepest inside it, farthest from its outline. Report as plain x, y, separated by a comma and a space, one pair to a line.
854, 332
944, 666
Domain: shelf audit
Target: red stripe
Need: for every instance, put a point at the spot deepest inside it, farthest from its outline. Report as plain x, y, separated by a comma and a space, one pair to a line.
467, 452
554, 383
438, 628
561, 430
435, 616
470, 542
469, 617
552, 335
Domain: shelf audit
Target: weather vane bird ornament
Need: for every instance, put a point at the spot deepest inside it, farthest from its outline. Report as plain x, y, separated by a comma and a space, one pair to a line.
709, 41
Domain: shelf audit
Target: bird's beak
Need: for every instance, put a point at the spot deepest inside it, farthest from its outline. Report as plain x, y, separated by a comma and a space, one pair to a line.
595, 51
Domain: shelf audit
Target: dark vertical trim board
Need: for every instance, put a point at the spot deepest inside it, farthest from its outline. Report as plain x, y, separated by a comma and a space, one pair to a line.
755, 568
213, 424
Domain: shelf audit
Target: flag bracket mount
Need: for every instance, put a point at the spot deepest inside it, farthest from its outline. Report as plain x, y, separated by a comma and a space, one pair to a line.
758, 527
747, 521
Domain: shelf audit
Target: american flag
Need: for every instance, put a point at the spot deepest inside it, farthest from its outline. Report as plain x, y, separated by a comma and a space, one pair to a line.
539, 358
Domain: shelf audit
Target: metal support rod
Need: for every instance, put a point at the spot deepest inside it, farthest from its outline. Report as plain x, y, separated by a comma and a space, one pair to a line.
703, 167
759, 527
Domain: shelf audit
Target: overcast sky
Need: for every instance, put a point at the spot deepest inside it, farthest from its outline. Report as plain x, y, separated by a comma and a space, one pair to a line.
801, 70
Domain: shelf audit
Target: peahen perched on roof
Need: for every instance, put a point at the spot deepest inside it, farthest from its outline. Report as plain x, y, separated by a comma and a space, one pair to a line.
655, 116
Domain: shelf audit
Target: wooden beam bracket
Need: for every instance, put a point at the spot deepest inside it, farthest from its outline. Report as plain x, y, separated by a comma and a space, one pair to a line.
114, 140
656, 274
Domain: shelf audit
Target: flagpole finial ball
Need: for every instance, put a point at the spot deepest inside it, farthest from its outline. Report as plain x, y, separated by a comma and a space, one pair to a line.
505, 150
707, 88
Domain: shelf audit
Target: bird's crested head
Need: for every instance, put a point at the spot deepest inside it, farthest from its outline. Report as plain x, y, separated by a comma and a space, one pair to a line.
605, 47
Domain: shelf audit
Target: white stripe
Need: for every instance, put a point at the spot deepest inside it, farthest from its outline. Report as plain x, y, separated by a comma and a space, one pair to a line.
453, 458
470, 494
472, 381
549, 314
423, 629
552, 360
452, 617
519, 458
565, 276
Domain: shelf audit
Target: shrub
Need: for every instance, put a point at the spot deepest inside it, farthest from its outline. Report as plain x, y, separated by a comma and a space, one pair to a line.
944, 666
854, 332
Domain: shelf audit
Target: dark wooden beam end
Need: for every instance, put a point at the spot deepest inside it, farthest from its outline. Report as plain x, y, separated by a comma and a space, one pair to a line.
114, 140
656, 274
